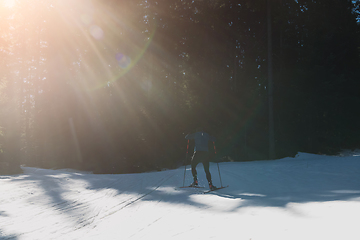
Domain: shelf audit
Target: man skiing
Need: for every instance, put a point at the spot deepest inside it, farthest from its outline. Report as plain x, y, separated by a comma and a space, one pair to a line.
201, 154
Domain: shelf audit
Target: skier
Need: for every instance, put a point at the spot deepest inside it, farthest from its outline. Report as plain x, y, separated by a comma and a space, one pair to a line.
201, 154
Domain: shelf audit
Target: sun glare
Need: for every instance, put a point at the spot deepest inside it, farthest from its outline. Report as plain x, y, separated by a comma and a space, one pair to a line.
8, 3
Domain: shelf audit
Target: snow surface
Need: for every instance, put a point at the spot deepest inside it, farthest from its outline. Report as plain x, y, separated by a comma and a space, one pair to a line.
306, 197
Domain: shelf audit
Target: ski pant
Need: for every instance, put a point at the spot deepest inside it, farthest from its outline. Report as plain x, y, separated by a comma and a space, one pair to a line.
204, 157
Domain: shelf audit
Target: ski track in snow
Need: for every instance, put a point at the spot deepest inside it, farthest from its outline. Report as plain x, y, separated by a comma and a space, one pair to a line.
307, 197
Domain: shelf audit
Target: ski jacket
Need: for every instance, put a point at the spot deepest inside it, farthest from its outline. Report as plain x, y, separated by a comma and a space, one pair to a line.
201, 140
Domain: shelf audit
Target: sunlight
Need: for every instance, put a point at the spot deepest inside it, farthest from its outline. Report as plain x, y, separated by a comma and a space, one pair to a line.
8, 3
126, 63
98, 27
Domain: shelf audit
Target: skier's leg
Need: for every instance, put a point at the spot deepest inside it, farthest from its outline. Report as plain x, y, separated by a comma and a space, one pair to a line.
207, 167
208, 175
194, 163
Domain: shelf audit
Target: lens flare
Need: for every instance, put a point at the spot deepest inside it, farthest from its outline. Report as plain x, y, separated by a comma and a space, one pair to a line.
126, 63
123, 60
96, 32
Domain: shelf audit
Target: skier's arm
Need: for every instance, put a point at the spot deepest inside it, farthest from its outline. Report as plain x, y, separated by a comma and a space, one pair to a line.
190, 136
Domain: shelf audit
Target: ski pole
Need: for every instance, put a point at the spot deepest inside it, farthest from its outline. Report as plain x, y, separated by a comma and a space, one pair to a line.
218, 166
187, 151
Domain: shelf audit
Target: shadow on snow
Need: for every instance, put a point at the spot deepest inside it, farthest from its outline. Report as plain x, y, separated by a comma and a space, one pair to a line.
262, 184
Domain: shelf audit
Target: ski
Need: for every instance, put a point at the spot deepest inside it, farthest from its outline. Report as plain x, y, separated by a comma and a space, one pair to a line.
192, 187
211, 190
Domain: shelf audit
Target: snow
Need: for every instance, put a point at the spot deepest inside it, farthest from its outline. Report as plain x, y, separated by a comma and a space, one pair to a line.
306, 197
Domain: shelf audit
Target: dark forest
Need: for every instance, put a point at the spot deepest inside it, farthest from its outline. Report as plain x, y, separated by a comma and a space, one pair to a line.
114, 86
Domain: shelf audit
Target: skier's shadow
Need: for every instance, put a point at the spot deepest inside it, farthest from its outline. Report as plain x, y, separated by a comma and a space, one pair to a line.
274, 200
276, 184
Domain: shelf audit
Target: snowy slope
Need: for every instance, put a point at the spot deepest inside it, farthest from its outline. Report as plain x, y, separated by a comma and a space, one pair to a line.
306, 197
